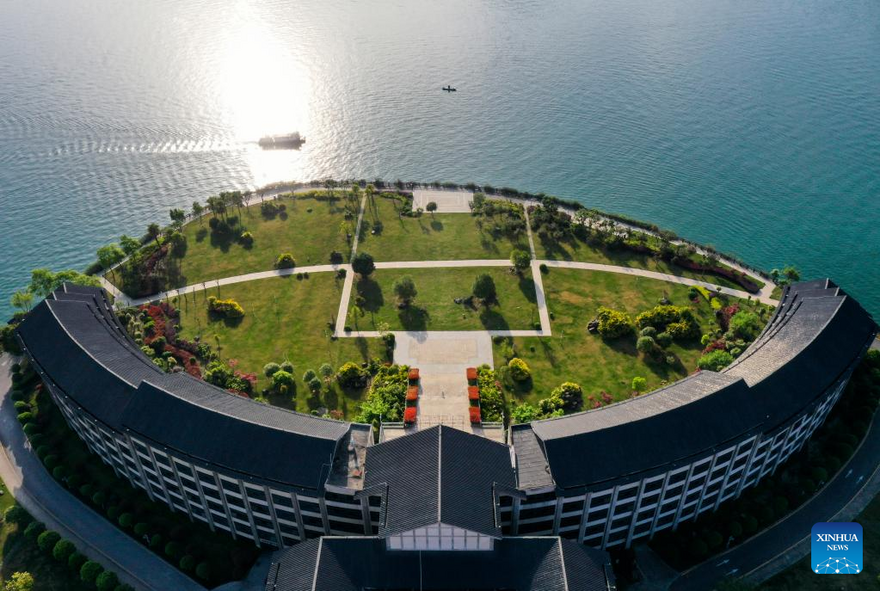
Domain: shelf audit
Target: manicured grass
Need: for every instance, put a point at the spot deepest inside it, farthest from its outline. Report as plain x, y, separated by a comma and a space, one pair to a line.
285, 319
799, 577
578, 250
309, 229
448, 236
434, 307
573, 354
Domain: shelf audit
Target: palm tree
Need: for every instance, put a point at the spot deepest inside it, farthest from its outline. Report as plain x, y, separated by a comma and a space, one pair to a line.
197, 210
154, 231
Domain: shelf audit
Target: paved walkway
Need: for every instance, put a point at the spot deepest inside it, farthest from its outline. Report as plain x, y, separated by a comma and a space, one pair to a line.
49, 502
447, 201
787, 542
442, 359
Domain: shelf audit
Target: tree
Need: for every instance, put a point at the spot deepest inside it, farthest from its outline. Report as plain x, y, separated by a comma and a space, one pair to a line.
326, 371
520, 260
282, 378
154, 231
351, 375
109, 255
613, 323
363, 264
646, 345
46, 541
715, 360
431, 207
178, 216
197, 211
44, 281
745, 325
89, 571
106, 581
519, 370
129, 245
639, 384
484, 289
285, 260
270, 369
62, 550
19, 581
571, 394
405, 290
22, 299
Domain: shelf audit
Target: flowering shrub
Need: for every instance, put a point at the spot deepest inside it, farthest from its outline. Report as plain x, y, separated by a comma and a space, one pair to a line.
475, 414
409, 416
413, 374
490, 394
472, 374
162, 336
473, 393
386, 399
613, 323
225, 308
412, 393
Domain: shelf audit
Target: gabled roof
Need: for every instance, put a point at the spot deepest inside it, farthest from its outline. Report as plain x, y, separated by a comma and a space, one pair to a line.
522, 564
813, 340
77, 342
439, 475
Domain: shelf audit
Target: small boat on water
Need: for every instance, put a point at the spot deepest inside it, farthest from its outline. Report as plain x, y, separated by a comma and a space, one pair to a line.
282, 142
449, 88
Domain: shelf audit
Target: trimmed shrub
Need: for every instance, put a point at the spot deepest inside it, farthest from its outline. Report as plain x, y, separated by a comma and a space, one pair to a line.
58, 472
571, 394
75, 561
33, 530
519, 369
246, 239
16, 514
664, 339
31, 429
225, 308
156, 541
21, 406
46, 541
125, 520
17, 395
613, 323
203, 571
51, 461
113, 512
187, 563
99, 498
106, 581
270, 368
639, 384
173, 550
715, 360
287, 366
43, 452
285, 260
141, 528
25, 417
351, 375
89, 571
63, 550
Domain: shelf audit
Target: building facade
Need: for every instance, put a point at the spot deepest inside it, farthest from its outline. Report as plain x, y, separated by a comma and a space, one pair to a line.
605, 478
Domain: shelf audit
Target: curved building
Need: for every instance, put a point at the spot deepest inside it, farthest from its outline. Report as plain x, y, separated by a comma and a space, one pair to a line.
604, 477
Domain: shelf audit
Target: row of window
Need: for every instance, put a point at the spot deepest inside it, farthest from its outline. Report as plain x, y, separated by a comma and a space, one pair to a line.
624, 513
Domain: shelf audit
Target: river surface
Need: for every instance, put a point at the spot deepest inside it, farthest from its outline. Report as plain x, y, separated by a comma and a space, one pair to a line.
750, 125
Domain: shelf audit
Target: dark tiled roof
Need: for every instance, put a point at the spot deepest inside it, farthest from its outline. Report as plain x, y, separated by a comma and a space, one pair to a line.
812, 341
77, 342
523, 564
439, 475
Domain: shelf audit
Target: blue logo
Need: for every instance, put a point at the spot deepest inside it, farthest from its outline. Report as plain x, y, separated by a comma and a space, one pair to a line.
836, 548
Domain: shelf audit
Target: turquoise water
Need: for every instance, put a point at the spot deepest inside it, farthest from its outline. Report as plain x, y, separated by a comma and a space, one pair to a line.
750, 125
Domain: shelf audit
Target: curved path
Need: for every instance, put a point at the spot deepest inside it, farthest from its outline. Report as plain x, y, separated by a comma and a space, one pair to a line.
787, 541
50, 503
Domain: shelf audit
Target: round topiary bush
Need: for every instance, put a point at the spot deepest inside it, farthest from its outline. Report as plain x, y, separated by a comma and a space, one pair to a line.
75, 561
62, 550
51, 461
31, 429
141, 528
87, 490
16, 514
156, 541
106, 581
17, 395
173, 550
113, 512
33, 530
187, 563
59, 473
37, 440
203, 571
43, 452
99, 498
285, 260
125, 520
89, 571
519, 370
46, 541
21, 406
270, 368
25, 417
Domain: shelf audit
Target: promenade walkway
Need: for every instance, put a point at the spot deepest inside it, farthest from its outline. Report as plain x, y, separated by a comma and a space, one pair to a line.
49, 502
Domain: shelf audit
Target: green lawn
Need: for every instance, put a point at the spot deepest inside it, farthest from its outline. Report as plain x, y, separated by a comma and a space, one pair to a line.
578, 250
309, 229
448, 236
435, 308
285, 319
573, 296
799, 577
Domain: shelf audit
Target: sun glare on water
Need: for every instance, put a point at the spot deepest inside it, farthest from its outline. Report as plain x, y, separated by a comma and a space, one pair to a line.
264, 89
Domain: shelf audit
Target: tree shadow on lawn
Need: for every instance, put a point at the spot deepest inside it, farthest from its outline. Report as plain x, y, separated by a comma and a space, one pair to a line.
549, 352
554, 249
413, 318
625, 345
488, 243
527, 287
493, 319
437, 225
371, 293
229, 322
660, 368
